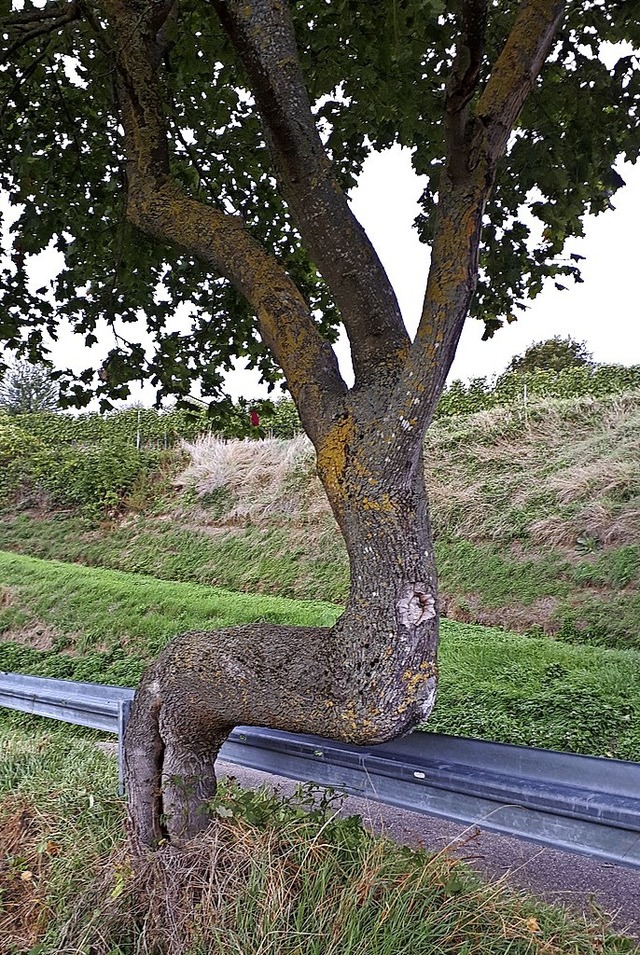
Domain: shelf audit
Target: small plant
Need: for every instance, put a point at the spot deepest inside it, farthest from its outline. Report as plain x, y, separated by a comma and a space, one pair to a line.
587, 543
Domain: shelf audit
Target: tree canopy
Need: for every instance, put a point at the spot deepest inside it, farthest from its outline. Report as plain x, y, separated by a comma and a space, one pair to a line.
376, 74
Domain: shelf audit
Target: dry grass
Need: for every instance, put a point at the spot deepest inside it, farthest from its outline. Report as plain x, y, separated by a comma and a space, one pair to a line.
264, 480
25, 859
570, 469
298, 890
39, 636
7, 596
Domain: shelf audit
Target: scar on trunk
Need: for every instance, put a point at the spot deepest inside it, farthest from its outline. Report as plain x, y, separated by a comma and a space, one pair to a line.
415, 605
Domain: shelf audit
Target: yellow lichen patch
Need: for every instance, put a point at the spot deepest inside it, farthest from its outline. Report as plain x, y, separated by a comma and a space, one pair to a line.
384, 505
414, 679
332, 456
349, 716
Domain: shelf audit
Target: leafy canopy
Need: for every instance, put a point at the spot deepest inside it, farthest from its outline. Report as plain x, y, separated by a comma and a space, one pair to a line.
376, 73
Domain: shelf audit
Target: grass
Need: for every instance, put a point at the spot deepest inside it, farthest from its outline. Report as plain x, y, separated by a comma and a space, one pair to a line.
482, 583
73, 622
247, 558
271, 878
568, 471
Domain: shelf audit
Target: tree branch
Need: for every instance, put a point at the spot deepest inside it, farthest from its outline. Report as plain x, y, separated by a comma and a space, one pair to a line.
52, 11
463, 80
38, 23
158, 205
515, 72
464, 190
263, 36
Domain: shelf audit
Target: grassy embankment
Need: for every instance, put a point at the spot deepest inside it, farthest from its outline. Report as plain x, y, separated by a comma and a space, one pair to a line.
67, 621
537, 521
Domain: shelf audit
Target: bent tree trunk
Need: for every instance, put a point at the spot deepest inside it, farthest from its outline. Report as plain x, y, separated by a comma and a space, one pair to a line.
373, 675
370, 678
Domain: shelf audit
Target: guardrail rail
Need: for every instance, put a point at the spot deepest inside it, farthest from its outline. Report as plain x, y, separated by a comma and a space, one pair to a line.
578, 803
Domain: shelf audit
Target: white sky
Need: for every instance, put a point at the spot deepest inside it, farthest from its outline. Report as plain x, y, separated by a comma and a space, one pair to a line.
604, 311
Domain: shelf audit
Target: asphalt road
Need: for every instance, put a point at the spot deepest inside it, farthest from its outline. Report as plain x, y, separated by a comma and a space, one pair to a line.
561, 877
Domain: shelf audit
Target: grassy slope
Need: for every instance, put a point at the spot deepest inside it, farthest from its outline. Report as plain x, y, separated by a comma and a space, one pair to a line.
537, 522
68, 621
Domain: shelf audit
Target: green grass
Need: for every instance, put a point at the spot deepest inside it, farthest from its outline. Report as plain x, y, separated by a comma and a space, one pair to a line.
271, 878
252, 559
470, 568
106, 625
480, 582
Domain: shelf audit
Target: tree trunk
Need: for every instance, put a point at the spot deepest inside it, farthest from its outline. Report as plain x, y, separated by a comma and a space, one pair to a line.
370, 678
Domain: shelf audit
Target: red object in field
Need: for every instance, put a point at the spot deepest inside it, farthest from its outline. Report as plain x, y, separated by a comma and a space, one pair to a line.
255, 419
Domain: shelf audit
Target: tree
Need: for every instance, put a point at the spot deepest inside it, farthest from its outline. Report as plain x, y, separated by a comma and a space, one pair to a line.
202, 152
25, 388
554, 354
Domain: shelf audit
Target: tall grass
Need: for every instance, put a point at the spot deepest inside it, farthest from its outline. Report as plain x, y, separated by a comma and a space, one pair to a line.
271, 878
564, 470
261, 479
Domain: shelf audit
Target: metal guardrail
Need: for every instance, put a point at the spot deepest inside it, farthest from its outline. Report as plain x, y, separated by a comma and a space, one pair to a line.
578, 803
84, 704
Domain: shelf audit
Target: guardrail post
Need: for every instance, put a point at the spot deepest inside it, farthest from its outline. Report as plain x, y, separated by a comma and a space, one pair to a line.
124, 709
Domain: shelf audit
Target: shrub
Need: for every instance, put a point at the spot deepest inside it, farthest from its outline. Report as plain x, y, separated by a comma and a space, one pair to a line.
16, 450
95, 478
481, 394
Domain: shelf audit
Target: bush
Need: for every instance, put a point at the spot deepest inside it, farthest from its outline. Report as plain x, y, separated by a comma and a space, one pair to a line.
481, 394
16, 450
95, 478
14, 443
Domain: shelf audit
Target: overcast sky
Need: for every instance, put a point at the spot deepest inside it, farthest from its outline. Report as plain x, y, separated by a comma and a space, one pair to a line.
604, 311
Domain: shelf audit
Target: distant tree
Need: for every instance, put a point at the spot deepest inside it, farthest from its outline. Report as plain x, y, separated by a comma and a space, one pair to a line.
26, 388
554, 354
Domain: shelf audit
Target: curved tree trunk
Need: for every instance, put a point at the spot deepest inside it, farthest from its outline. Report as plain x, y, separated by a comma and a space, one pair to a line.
370, 678
373, 675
